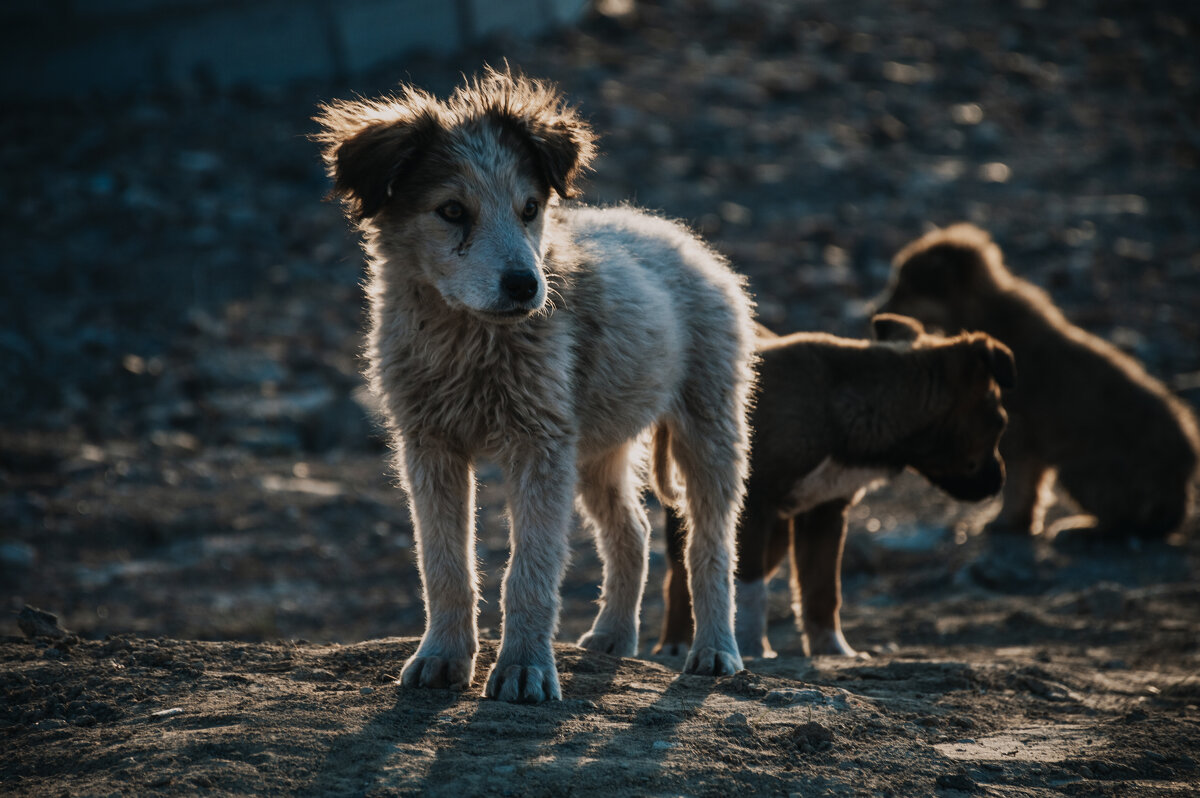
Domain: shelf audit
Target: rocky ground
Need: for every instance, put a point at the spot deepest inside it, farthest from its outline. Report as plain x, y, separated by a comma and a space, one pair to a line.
184, 455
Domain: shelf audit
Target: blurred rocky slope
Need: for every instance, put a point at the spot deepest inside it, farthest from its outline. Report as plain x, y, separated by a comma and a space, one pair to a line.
168, 263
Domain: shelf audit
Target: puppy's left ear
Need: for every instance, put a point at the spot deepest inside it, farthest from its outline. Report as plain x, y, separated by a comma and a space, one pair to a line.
999, 360
894, 327
371, 147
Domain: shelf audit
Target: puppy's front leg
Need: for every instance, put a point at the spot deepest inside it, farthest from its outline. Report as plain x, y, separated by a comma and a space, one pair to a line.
541, 486
442, 491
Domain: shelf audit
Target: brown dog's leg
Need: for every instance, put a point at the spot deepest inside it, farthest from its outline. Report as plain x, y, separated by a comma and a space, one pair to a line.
817, 540
1142, 504
762, 543
676, 634
1027, 495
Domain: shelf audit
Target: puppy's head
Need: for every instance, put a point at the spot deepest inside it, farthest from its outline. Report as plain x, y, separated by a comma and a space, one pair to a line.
457, 192
940, 277
959, 451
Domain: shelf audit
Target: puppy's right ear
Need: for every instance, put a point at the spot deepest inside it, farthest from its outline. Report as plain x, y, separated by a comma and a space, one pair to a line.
371, 145
894, 327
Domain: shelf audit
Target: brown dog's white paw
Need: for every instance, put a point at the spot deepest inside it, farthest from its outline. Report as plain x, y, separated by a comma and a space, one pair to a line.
619, 645
708, 661
756, 648
675, 648
831, 643
436, 671
524, 683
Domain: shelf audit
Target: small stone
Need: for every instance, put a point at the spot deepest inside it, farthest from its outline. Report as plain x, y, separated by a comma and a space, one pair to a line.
663, 745
166, 713
39, 623
811, 737
786, 697
957, 781
313, 675
736, 719
366, 690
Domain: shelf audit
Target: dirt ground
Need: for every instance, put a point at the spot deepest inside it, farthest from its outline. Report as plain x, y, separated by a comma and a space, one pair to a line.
190, 481
1088, 692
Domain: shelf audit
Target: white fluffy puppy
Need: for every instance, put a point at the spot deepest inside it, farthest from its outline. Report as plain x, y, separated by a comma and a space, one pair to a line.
546, 338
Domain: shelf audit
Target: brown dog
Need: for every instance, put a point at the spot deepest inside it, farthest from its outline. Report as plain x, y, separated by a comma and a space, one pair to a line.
834, 417
1122, 446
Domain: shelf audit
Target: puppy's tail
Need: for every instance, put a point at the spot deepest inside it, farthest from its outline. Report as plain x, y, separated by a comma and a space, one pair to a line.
663, 469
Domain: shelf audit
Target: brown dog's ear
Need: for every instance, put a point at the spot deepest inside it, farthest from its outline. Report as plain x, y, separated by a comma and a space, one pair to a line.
999, 360
894, 327
371, 145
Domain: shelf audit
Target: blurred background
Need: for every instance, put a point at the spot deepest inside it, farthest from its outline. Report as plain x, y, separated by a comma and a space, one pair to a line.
183, 450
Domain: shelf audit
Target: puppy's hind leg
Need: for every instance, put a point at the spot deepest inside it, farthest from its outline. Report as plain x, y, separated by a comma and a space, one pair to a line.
611, 503
711, 455
442, 490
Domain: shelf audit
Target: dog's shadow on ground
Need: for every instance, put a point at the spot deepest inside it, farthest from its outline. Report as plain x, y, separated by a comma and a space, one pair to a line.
424, 737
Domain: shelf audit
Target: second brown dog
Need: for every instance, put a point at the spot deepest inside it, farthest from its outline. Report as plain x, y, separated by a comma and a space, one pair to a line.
835, 416
1121, 445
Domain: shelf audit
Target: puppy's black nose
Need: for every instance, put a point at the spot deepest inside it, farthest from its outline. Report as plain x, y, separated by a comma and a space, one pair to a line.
519, 285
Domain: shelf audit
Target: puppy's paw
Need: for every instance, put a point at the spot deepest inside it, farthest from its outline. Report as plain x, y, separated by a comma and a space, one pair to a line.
675, 648
709, 661
619, 645
429, 670
524, 684
525, 677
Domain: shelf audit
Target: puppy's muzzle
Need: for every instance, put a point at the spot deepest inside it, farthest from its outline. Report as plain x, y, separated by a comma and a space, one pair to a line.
519, 285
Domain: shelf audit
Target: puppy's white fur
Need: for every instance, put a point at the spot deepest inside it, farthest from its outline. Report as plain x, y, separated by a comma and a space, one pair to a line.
634, 324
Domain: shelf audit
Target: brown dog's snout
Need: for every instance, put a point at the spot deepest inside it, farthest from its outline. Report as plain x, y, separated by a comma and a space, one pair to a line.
985, 482
519, 285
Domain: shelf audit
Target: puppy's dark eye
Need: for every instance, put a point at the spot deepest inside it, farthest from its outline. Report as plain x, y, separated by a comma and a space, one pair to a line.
452, 211
530, 211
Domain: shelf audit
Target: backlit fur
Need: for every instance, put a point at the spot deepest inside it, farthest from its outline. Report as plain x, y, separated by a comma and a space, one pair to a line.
635, 324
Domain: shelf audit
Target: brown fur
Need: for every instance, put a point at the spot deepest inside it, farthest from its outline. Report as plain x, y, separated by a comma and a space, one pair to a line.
1122, 446
834, 416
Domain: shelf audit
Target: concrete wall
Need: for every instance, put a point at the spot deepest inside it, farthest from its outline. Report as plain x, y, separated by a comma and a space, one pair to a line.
56, 48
